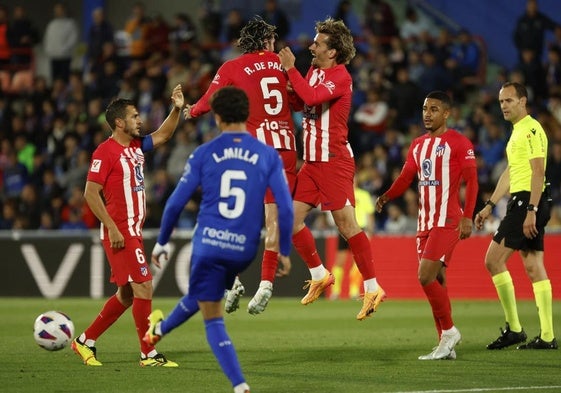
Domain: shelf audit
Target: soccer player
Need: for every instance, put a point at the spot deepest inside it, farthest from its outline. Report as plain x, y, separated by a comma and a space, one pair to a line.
234, 171
522, 228
326, 176
259, 73
440, 159
115, 192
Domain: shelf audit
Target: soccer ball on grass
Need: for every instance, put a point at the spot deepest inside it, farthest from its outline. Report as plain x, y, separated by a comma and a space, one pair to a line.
53, 330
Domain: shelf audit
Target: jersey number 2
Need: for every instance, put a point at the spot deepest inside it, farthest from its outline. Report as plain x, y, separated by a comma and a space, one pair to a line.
229, 191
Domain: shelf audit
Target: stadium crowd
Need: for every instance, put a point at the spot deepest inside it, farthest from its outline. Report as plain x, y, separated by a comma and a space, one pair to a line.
50, 125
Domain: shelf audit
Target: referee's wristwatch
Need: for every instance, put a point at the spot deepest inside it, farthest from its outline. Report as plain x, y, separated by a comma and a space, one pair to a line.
532, 208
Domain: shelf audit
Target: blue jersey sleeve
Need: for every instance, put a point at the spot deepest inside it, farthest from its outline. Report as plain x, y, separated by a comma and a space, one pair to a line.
279, 187
175, 204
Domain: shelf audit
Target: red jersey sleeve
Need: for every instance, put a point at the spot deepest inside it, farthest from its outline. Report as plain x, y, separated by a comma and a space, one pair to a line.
405, 178
220, 80
336, 86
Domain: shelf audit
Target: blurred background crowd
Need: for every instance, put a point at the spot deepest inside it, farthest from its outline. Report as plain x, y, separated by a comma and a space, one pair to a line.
51, 121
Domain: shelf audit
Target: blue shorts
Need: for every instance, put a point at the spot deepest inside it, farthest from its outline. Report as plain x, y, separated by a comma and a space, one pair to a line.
210, 277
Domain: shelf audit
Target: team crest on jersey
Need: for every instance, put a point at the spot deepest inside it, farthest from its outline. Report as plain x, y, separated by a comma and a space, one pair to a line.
96, 166
144, 271
427, 167
440, 150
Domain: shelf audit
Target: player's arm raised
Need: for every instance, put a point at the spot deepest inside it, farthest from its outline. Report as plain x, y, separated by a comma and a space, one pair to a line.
166, 130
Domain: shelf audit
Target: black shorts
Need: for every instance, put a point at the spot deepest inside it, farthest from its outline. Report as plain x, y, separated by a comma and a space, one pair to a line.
511, 226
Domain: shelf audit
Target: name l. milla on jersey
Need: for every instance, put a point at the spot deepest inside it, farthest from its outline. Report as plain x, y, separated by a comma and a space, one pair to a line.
237, 153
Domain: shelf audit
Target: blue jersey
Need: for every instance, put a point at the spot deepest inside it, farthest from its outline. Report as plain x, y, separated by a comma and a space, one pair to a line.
233, 171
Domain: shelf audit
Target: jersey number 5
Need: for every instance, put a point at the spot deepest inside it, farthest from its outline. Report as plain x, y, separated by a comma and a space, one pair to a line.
227, 190
269, 92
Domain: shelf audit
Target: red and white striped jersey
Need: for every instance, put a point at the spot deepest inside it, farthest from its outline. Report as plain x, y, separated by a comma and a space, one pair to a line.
327, 95
263, 79
439, 162
120, 170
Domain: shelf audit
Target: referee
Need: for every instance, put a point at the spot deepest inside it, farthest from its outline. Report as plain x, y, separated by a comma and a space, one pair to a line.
522, 228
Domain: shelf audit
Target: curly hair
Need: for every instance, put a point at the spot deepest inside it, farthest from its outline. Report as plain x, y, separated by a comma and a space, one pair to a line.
339, 38
254, 35
231, 104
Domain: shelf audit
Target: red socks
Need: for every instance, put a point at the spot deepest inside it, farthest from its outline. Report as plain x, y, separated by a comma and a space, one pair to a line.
269, 265
141, 309
111, 311
440, 304
362, 254
305, 244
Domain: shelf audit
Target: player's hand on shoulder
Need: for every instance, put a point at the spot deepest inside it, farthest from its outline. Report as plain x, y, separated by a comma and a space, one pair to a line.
160, 253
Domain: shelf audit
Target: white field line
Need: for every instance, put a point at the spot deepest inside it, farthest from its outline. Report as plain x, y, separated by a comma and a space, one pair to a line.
510, 388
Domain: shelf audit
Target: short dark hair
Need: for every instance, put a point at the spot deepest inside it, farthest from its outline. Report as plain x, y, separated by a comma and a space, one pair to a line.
254, 34
117, 109
520, 89
442, 97
231, 104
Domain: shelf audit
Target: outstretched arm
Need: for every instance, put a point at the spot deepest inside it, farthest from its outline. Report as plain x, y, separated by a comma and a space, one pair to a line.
166, 130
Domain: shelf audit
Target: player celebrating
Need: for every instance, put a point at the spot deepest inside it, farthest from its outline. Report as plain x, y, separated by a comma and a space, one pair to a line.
259, 73
441, 159
234, 171
116, 172
328, 171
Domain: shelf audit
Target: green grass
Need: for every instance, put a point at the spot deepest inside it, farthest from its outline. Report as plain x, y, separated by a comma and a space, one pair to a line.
290, 348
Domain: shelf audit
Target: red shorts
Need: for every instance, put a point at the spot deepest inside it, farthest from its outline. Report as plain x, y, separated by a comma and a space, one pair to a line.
437, 244
327, 183
289, 158
128, 264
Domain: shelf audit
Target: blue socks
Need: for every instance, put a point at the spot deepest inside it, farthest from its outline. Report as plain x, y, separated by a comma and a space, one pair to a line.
185, 309
224, 350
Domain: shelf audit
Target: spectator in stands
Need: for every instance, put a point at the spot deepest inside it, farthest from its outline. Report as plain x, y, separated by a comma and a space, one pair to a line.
9, 213
534, 74
138, 28
29, 206
413, 26
211, 23
433, 76
379, 20
345, 12
234, 24
397, 223
60, 40
465, 51
372, 118
158, 36
100, 33
531, 28
5, 51
14, 176
183, 33
24, 148
405, 98
185, 144
492, 144
552, 69
22, 36
275, 16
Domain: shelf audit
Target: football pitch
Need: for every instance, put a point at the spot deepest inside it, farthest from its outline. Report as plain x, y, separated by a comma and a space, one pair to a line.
289, 348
